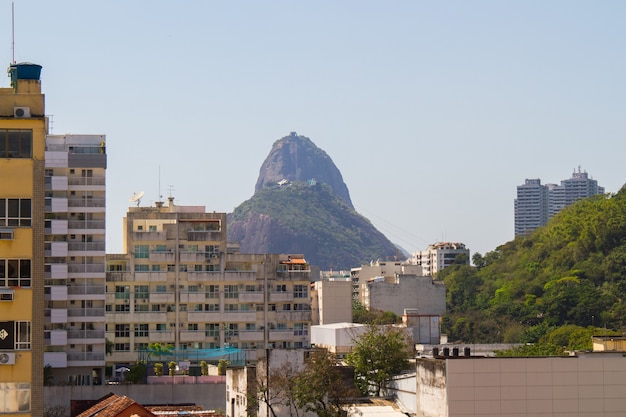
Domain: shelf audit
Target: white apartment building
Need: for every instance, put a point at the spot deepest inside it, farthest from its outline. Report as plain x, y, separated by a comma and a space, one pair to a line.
179, 283
74, 277
380, 270
536, 203
439, 256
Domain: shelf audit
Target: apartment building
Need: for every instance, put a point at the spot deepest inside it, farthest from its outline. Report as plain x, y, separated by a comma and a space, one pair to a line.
75, 168
179, 283
380, 270
22, 141
536, 203
439, 256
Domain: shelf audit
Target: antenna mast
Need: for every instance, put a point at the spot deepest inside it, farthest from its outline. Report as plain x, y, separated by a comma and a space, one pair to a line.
13, 31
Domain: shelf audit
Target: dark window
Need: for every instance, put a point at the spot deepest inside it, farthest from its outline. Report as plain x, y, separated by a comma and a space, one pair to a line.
16, 143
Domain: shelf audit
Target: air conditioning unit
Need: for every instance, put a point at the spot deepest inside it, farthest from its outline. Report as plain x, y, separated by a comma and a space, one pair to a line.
7, 295
7, 358
21, 112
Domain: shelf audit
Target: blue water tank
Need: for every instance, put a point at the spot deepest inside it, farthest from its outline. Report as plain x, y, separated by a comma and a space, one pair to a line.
24, 71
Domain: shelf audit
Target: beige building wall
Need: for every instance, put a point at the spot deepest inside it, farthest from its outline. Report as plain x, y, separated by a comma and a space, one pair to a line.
419, 293
332, 301
589, 385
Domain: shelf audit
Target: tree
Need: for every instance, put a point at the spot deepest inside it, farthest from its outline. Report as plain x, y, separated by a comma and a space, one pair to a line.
157, 349
320, 388
137, 373
275, 389
378, 355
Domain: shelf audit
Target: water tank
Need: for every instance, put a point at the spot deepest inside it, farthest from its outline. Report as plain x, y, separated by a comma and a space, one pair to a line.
24, 71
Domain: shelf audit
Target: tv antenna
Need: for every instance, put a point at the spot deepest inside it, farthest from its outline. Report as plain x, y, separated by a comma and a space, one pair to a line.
13, 32
136, 198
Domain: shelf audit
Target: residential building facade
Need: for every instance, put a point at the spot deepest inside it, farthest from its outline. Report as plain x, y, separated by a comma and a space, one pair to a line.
439, 256
536, 203
385, 269
23, 129
179, 283
75, 172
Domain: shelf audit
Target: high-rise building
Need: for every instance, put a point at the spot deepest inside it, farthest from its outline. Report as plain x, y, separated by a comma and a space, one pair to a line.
536, 203
74, 324
22, 141
179, 283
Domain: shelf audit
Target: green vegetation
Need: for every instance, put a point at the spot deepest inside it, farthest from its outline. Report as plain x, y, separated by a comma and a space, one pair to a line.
554, 288
308, 219
362, 315
378, 355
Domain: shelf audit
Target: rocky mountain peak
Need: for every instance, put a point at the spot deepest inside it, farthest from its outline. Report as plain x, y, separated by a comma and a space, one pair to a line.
297, 158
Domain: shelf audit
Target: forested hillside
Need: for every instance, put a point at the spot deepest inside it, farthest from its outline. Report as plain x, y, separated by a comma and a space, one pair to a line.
570, 272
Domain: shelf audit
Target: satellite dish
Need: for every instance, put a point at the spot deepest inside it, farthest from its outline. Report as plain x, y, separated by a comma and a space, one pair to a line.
137, 198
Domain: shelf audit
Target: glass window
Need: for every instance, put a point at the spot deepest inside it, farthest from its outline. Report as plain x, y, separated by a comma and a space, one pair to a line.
14, 397
300, 291
122, 330
231, 291
142, 251
211, 329
23, 335
212, 291
141, 330
16, 143
141, 291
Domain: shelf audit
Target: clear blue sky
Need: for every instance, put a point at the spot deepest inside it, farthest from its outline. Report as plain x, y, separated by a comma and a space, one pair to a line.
433, 111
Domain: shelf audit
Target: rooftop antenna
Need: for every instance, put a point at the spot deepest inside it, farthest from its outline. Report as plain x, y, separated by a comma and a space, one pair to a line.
136, 197
13, 32
160, 195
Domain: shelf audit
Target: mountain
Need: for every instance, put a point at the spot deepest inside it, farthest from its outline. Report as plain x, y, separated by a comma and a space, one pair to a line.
571, 272
302, 205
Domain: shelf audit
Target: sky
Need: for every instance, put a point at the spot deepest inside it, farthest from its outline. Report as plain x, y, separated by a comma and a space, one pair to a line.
434, 112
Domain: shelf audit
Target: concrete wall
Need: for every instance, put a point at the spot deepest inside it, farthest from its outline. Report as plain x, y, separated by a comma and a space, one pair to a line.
334, 300
210, 396
410, 291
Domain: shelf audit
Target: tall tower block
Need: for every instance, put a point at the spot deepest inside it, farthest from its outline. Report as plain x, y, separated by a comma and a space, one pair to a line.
22, 145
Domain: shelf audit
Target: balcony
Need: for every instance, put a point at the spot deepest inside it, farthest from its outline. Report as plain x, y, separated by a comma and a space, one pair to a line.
162, 336
57, 293
239, 276
162, 297
251, 297
86, 289
85, 359
55, 183
149, 236
86, 202
55, 337
76, 336
281, 296
281, 334
57, 315
193, 257
56, 249
293, 315
87, 181
192, 336
86, 224
203, 236
192, 297
119, 276
85, 268
56, 227
85, 312
163, 257
250, 335
204, 276
56, 205
151, 276
204, 316
238, 316
86, 247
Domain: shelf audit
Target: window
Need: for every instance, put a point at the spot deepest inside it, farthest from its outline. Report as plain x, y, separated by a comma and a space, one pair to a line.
122, 330
161, 288
192, 327
212, 329
152, 228
15, 212
141, 291
142, 308
122, 308
300, 291
301, 307
182, 307
161, 248
15, 273
156, 268
142, 251
192, 288
22, 335
16, 143
14, 397
300, 329
281, 326
232, 329
271, 307
141, 330
286, 307
250, 327
250, 288
142, 268
122, 347
171, 268
122, 292
231, 307
211, 307
212, 291
281, 288
155, 308
161, 327
141, 346
231, 291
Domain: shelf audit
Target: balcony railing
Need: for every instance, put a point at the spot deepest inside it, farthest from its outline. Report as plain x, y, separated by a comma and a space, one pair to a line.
87, 289
85, 356
85, 312
78, 268
86, 202
85, 334
98, 180
86, 224
86, 246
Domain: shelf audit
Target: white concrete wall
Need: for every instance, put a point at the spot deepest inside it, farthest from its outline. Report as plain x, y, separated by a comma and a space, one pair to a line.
411, 291
210, 396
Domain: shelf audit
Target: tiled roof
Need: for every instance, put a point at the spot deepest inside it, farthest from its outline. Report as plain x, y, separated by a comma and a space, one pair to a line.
111, 406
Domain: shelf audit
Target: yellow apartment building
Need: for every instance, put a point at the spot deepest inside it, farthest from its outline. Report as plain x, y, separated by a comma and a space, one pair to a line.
179, 283
22, 141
